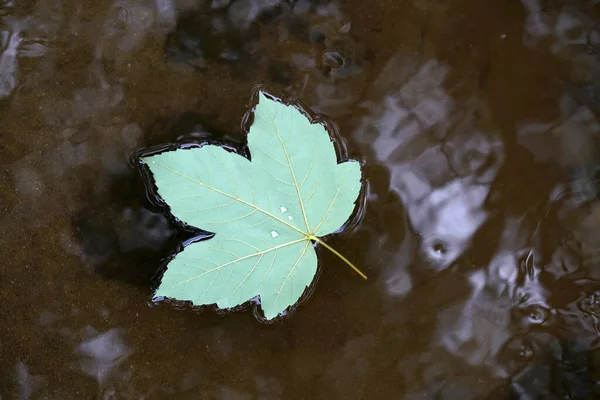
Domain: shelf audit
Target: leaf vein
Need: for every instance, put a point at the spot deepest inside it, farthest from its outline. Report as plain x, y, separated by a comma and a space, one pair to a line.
234, 198
292, 270
210, 208
243, 258
232, 219
291, 171
316, 186
332, 202
270, 156
247, 276
276, 178
312, 162
241, 241
228, 175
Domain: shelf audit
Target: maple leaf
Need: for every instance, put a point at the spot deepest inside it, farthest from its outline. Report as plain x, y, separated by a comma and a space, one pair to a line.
265, 213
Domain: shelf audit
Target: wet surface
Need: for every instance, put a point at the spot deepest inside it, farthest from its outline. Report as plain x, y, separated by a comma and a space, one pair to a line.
477, 123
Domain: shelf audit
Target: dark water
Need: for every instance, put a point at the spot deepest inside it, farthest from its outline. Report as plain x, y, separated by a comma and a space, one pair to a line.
477, 122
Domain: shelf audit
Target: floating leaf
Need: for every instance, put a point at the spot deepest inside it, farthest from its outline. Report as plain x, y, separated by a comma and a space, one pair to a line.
265, 213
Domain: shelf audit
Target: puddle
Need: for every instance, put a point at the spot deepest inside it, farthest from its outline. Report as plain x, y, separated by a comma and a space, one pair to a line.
477, 127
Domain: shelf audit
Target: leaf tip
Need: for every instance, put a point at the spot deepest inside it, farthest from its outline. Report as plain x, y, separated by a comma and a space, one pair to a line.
262, 96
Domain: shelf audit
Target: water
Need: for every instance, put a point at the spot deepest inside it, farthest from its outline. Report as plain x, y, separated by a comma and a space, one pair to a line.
477, 126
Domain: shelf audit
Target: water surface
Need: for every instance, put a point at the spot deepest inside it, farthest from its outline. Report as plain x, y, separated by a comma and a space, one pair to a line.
476, 121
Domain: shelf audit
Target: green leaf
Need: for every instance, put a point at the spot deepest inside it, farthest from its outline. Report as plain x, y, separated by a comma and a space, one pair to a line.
265, 213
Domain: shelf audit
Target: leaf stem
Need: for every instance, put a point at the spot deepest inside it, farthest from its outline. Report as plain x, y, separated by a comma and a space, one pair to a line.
337, 253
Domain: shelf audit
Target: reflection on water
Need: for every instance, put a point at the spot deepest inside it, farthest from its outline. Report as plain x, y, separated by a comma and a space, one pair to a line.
441, 169
477, 124
102, 354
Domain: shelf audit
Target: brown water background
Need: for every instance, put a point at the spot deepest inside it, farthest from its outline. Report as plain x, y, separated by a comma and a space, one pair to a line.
476, 121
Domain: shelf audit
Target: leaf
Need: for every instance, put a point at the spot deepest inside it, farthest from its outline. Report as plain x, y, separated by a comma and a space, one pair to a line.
265, 214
